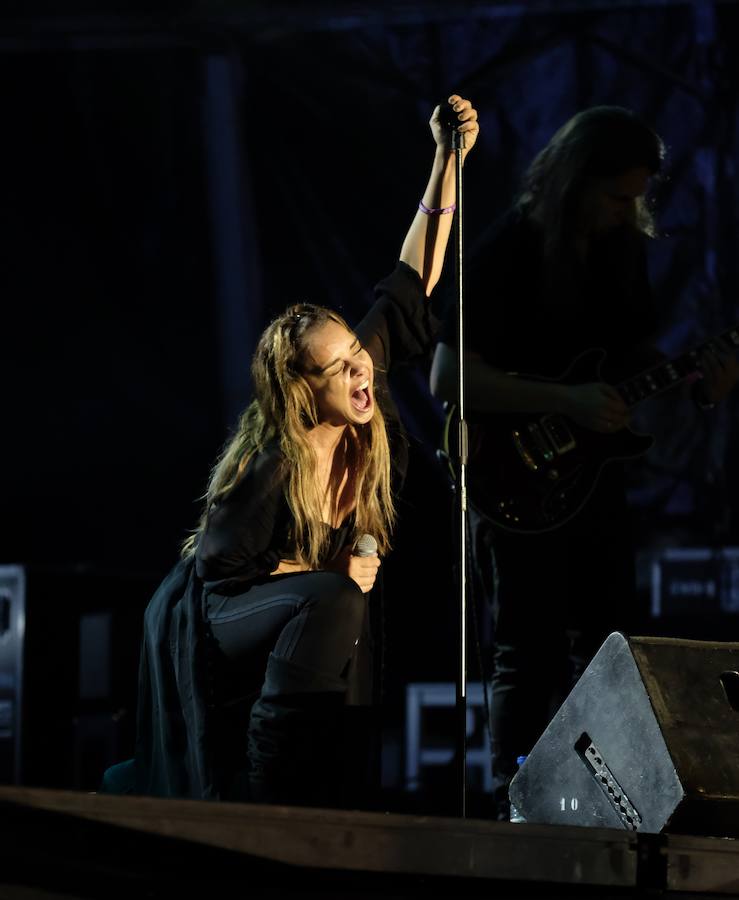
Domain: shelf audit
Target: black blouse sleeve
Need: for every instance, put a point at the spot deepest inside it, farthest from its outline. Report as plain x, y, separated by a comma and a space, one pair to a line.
238, 541
400, 326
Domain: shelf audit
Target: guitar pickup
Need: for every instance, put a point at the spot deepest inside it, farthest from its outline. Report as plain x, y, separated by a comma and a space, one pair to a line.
555, 428
540, 440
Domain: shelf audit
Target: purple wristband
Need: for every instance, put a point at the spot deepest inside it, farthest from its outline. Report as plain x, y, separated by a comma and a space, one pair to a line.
441, 211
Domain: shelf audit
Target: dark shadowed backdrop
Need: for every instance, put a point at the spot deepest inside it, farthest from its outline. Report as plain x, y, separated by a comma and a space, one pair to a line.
175, 174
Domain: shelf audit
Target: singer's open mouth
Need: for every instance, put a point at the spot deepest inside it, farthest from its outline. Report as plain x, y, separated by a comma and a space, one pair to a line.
361, 398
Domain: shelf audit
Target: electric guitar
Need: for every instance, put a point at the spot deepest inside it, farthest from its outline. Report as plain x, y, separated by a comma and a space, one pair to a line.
531, 473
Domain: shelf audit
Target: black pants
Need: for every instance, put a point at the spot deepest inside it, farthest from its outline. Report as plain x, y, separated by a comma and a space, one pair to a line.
282, 655
555, 598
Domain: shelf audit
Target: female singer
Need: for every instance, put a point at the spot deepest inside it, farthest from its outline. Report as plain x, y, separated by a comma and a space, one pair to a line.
250, 641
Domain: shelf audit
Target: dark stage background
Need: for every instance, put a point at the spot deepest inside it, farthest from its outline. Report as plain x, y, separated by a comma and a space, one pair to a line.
175, 174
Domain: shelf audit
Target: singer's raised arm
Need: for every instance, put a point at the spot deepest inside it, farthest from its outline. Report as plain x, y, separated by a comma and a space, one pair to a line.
425, 243
399, 327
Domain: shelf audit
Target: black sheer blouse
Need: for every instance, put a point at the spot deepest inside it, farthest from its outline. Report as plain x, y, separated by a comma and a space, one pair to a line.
245, 537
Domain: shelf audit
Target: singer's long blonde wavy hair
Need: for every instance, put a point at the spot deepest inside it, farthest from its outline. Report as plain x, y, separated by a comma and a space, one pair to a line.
284, 410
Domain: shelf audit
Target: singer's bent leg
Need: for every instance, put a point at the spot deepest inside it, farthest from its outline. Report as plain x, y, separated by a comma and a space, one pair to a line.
282, 652
313, 619
301, 630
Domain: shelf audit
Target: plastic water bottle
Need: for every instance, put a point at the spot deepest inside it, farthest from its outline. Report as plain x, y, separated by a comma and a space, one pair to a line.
515, 815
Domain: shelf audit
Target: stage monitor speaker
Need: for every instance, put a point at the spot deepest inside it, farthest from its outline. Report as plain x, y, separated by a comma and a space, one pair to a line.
647, 740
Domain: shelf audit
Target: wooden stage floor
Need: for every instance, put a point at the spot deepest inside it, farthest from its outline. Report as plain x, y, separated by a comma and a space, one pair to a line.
67, 844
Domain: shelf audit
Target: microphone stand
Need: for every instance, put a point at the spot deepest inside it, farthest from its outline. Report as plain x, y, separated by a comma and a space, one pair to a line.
461, 696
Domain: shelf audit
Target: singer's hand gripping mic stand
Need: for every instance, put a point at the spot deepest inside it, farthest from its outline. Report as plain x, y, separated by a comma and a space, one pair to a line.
461, 480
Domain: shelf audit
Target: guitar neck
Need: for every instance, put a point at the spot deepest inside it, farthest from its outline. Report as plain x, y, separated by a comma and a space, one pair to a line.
669, 374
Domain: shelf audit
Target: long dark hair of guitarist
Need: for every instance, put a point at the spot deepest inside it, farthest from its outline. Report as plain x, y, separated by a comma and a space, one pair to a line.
564, 270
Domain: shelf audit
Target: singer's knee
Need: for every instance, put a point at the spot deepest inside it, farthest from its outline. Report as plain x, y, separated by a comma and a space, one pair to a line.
338, 596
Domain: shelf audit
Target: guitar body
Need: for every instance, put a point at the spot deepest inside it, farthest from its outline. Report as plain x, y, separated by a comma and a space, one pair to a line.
532, 473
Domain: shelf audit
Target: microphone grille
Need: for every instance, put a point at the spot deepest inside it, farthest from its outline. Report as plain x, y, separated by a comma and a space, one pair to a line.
366, 545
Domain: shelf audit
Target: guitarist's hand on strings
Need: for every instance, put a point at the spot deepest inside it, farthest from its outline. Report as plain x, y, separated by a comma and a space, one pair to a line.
597, 406
720, 374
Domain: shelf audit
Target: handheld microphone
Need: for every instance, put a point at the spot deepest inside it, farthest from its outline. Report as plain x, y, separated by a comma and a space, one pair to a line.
366, 545
447, 116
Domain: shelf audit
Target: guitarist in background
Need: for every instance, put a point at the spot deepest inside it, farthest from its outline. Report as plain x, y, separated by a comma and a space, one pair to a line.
563, 271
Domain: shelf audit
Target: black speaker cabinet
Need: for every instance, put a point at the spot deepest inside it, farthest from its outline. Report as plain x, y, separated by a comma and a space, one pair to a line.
69, 649
647, 740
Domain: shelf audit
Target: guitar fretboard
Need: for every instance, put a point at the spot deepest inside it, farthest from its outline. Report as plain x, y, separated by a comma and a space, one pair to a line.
668, 374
